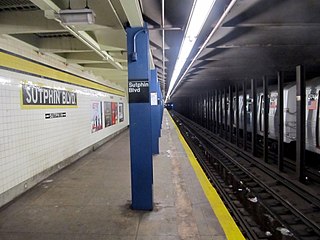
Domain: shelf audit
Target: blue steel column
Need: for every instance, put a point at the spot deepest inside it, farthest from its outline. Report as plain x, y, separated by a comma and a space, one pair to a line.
160, 108
140, 119
155, 116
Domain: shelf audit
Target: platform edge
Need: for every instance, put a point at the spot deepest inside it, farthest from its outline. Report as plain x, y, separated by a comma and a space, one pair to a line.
226, 221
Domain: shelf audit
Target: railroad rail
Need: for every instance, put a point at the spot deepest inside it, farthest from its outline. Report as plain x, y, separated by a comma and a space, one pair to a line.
311, 174
264, 203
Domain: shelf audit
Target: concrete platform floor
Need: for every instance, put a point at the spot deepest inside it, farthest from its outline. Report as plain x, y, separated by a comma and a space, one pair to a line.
90, 200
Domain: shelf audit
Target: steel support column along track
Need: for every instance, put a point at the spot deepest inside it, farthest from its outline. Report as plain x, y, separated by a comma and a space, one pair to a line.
264, 203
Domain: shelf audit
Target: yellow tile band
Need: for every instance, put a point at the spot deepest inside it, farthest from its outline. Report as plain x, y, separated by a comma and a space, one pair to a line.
18, 63
227, 223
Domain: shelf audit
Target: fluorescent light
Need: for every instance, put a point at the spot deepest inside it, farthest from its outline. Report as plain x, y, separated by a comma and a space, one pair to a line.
197, 18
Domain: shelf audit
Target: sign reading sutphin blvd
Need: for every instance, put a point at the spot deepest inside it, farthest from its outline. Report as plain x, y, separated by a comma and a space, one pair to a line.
33, 95
139, 91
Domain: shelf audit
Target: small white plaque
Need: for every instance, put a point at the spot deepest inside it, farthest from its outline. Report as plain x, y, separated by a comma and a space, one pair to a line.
154, 99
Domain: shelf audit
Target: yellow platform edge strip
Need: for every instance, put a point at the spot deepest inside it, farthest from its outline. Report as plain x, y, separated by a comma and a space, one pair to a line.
226, 221
20, 64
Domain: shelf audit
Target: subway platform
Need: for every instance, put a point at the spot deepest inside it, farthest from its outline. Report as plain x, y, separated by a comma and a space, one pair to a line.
91, 199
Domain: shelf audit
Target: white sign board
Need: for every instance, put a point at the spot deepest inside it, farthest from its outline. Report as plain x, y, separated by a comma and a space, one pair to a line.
154, 99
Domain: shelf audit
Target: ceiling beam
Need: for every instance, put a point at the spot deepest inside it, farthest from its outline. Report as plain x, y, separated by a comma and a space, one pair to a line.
157, 58
82, 57
27, 22
61, 45
133, 12
155, 38
111, 37
83, 36
46, 5
104, 67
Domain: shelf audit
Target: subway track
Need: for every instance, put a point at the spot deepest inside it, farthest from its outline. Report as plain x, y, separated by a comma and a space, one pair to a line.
264, 203
312, 175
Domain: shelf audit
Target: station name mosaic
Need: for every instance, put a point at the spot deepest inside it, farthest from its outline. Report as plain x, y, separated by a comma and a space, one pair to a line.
44, 96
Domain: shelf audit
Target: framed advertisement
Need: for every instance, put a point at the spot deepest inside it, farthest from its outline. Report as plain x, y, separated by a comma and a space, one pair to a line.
107, 114
121, 112
96, 117
114, 113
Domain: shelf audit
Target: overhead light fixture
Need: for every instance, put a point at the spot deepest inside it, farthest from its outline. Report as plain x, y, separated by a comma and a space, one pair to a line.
219, 23
199, 14
71, 18
77, 16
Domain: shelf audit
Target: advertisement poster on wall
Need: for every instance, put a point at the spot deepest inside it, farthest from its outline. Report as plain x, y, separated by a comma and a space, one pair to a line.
107, 114
114, 112
121, 115
96, 120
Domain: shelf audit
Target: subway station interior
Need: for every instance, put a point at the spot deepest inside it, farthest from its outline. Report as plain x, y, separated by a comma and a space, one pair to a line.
159, 119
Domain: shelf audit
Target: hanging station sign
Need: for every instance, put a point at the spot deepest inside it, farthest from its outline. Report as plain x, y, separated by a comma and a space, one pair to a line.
139, 91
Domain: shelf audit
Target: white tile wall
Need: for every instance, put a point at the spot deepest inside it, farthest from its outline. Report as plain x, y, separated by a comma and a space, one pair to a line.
29, 143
